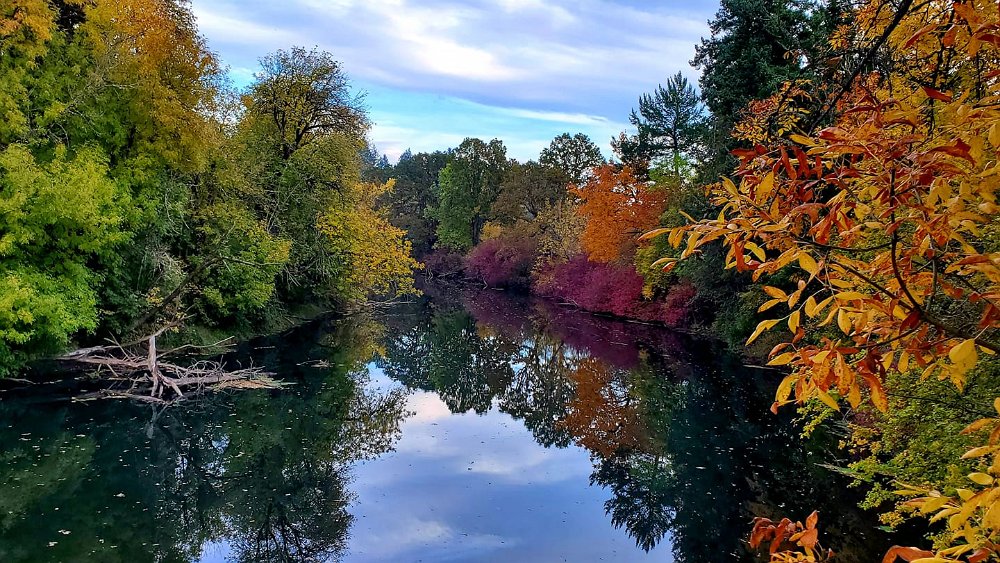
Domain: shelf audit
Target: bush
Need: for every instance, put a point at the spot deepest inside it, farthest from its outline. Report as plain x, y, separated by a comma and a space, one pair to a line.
599, 287
504, 261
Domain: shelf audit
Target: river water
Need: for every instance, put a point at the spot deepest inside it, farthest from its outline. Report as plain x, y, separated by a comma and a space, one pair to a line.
469, 426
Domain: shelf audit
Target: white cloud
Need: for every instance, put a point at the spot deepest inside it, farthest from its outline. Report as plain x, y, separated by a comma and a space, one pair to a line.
579, 65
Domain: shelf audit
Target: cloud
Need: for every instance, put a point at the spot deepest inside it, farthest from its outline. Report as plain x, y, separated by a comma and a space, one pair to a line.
572, 63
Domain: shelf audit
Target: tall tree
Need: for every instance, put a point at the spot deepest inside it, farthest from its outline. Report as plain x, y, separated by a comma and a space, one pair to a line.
415, 195
618, 207
527, 189
669, 123
468, 186
575, 155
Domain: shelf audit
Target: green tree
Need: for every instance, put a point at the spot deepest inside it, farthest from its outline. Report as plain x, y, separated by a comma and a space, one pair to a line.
669, 123
527, 189
575, 155
414, 195
467, 188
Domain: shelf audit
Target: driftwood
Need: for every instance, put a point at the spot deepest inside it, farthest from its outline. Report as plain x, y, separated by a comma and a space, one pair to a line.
140, 365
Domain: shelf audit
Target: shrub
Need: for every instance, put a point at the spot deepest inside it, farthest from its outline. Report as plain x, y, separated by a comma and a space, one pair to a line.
504, 261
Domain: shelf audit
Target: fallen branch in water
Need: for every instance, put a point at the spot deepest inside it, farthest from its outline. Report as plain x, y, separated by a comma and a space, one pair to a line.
140, 365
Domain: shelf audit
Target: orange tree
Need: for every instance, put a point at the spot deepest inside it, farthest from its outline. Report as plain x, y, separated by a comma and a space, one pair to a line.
880, 189
618, 206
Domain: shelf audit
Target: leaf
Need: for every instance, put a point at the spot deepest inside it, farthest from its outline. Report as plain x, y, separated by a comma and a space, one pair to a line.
764, 325
654, 233
964, 354
782, 359
935, 94
978, 452
981, 479
827, 399
775, 292
809, 264
793, 321
905, 553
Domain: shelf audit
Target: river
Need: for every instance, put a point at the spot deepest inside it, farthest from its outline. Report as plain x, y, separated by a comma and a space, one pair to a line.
468, 426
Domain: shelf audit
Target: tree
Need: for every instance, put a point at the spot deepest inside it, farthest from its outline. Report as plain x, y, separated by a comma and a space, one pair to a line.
669, 123
305, 94
756, 46
468, 186
887, 215
526, 190
57, 218
618, 208
415, 195
574, 155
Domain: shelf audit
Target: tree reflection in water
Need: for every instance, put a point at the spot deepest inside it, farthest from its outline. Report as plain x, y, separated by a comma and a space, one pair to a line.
679, 431
263, 474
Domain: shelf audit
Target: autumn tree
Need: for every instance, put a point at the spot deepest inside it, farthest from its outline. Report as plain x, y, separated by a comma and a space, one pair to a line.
618, 208
575, 155
887, 213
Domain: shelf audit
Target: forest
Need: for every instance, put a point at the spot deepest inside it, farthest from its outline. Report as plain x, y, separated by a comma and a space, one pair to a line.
824, 201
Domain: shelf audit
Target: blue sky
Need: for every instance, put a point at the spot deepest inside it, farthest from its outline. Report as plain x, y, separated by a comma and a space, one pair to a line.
437, 71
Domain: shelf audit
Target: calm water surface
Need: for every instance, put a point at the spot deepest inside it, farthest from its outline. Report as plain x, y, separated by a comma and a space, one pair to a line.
471, 426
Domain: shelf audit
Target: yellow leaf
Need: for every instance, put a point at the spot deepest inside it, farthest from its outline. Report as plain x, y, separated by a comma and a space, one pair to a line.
782, 359
964, 354
765, 187
785, 389
802, 140
769, 304
793, 321
775, 292
808, 263
879, 399
654, 233
827, 399
978, 452
981, 479
764, 325
844, 322
850, 296
810, 306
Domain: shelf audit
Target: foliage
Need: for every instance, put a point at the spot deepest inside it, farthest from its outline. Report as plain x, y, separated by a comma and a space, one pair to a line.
414, 195
374, 254
878, 190
574, 155
467, 188
791, 536
669, 123
618, 208
57, 217
504, 261
527, 189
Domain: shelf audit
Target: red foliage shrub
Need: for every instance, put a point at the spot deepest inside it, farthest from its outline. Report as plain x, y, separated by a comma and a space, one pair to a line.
599, 287
504, 261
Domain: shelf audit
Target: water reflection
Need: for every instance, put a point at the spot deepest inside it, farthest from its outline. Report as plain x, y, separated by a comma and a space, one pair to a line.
250, 476
528, 432
678, 431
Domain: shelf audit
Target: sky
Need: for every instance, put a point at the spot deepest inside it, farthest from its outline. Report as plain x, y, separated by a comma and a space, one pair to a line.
438, 71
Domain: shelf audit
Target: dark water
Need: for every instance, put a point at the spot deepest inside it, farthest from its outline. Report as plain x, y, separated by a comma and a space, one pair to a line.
470, 427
